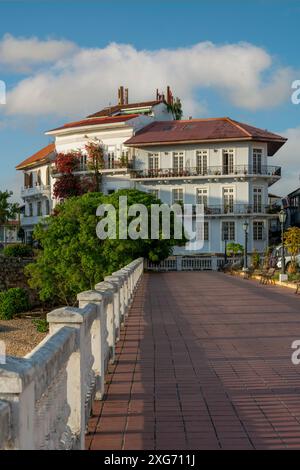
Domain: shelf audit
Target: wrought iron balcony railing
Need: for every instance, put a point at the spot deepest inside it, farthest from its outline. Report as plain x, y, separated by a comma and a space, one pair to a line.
115, 165
210, 171
243, 209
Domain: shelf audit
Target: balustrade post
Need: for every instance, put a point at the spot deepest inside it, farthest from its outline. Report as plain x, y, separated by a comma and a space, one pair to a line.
108, 293
98, 337
17, 388
73, 317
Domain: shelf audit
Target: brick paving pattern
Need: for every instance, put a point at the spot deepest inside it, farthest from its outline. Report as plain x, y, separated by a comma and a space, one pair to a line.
203, 363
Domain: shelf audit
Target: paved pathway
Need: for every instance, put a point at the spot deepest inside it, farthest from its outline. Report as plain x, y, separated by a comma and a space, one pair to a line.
204, 363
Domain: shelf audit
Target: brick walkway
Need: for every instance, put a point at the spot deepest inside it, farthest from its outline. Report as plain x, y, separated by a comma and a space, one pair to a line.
204, 363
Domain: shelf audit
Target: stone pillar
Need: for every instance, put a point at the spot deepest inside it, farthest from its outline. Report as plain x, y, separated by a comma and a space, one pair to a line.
74, 317
108, 295
98, 337
17, 388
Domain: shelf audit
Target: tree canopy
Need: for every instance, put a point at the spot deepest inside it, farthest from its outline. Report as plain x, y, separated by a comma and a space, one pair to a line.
8, 210
74, 259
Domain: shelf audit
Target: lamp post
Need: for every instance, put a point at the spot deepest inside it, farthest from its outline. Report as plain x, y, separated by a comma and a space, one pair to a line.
282, 219
245, 228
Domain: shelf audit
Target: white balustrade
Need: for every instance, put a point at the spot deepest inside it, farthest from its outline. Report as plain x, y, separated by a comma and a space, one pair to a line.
46, 397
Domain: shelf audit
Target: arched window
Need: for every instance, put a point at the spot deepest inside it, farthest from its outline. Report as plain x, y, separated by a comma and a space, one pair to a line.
30, 180
47, 207
48, 176
38, 178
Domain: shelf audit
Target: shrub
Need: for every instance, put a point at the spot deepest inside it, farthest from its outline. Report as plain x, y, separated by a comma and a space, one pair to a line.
18, 251
42, 326
255, 259
13, 301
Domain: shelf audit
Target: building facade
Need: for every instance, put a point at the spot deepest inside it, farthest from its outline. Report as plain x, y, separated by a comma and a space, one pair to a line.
225, 165
37, 189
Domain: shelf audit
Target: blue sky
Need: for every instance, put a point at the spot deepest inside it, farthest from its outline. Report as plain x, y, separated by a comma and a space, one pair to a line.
249, 82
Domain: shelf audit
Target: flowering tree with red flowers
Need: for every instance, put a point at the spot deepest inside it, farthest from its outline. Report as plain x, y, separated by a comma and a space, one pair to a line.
67, 184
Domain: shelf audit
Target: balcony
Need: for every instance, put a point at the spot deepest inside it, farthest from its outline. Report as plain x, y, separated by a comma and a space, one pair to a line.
109, 167
241, 209
37, 190
28, 220
208, 172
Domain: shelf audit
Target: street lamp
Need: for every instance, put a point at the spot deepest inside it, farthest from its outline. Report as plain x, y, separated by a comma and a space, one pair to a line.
282, 219
245, 228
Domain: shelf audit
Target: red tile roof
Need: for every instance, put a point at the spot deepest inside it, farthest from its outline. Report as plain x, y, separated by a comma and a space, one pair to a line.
38, 157
111, 110
95, 121
203, 130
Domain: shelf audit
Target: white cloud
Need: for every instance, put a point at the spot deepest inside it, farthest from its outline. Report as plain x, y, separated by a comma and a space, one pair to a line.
87, 79
289, 158
20, 54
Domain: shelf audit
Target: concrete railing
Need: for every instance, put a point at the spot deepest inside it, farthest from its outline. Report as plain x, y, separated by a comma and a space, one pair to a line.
46, 397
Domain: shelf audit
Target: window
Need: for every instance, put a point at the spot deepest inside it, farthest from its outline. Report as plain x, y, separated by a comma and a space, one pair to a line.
202, 196
228, 200
30, 210
111, 159
82, 162
178, 161
153, 161
228, 231
201, 162
177, 195
258, 231
47, 207
206, 231
257, 160
257, 200
228, 160
154, 192
39, 208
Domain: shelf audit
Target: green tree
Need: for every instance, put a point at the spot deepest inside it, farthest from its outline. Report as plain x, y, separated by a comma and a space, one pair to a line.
74, 259
8, 210
234, 249
292, 242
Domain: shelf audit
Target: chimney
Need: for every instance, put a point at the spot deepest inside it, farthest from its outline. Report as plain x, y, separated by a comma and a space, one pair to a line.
121, 95
126, 96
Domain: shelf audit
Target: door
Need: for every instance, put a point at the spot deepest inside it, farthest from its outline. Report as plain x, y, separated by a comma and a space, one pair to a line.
228, 160
228, 200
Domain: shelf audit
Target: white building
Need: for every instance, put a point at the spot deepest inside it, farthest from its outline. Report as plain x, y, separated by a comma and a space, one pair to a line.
218, 162
112, 126
36, 191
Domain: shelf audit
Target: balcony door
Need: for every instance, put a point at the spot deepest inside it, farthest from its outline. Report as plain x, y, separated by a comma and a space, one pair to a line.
202, 197
228, 200
153, 161
201, 162
228, 161
257, 200
178, 162
257, 161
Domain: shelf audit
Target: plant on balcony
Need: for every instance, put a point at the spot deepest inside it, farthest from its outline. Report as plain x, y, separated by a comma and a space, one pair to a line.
95, 161
292, 242
74, 259
176, 109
